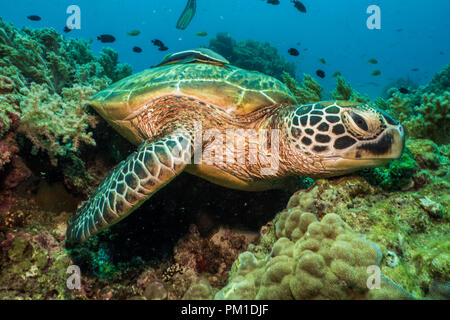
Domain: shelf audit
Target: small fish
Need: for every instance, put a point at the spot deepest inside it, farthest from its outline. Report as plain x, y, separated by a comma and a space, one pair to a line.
298, 43
106, 38
133, 33
67, 29
201, 34
163, 48
322, 60
336, 74
34, 18
415, 69
187, 15
403, 90
320, 73
441, 53
399, 30
300, 7
376, 73
293, 52
158, 43
137, 49
372, 61
273, 1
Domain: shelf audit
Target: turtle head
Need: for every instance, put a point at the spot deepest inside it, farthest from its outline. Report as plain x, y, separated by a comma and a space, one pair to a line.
347, 136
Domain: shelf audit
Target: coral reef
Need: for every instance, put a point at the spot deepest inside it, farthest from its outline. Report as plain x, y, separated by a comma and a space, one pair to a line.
45, 83
344, 91
309, 91
429, 119
53, 123
202, 242
301, 253
424, 111
310, 259
251, 55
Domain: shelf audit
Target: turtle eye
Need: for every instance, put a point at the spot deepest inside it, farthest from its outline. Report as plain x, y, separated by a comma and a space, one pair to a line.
362, 123
359, 121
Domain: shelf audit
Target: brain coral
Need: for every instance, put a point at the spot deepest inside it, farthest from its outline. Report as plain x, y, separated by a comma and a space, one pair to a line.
311, 259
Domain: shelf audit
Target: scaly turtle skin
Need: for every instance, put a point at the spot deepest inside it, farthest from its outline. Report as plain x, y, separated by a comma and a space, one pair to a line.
232, 127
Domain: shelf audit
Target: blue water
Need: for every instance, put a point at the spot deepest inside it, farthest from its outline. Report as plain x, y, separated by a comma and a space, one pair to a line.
331, 29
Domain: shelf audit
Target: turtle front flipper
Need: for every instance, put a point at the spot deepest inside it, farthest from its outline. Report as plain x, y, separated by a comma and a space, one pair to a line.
133, 181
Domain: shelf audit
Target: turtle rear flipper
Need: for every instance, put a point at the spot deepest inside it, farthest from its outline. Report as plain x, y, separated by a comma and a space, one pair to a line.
132, 182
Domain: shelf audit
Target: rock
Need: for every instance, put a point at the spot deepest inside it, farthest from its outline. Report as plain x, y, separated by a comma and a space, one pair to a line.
155, 291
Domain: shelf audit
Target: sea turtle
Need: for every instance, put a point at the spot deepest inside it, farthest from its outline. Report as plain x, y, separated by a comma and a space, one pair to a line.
233, 127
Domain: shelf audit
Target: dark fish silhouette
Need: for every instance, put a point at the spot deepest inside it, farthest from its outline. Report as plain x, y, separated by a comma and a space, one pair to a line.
273, 1
163, 48
322, 60
67, 29
403, 90
106, 38
158, 43
372, 61
34, 18
300, 7
320, 73
293, 52
137, 49
415, 69
187, 15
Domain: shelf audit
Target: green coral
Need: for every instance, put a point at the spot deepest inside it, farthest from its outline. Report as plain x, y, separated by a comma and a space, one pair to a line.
344, 91
56, 124
252, 55
423, 112
428, 120
440, 82
45, 80
43, 56
309, 91
395, 176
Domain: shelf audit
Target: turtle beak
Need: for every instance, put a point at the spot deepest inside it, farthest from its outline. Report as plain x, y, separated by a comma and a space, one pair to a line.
387, 147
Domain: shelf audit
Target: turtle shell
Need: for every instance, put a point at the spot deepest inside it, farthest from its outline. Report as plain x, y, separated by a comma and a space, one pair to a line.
235, 90
203, 55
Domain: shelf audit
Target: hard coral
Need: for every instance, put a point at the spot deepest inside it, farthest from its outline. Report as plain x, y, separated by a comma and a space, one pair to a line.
311, 259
